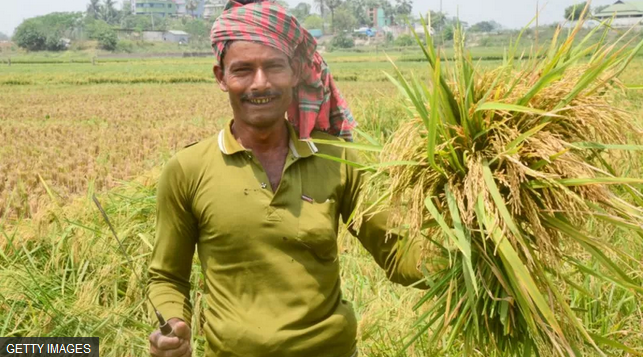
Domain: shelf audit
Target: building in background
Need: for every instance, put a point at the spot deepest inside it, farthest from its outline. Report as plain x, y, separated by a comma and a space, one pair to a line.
213, 8
378, 17
180, 7
180, 37
162, 8
626, 13
153, 36
184, 7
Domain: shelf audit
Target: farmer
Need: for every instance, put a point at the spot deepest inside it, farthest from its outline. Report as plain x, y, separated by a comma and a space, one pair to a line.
262, 208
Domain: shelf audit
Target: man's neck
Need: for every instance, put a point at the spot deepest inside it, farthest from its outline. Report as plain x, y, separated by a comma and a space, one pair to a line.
261, 140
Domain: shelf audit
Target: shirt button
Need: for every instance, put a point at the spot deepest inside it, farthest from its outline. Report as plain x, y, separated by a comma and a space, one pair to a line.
263, 185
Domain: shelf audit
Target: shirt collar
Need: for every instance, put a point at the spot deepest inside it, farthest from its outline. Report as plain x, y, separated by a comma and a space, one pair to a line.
299, 148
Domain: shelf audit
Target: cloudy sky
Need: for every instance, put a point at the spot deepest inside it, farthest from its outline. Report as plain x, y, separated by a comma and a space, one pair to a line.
509, 13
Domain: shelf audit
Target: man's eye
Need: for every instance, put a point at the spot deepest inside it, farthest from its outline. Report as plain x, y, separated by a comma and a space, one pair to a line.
241, 70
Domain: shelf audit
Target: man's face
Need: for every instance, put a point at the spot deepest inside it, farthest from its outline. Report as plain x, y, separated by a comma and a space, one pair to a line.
259, 80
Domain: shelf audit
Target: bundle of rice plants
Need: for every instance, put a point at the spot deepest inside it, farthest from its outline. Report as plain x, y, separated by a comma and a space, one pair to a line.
501, 171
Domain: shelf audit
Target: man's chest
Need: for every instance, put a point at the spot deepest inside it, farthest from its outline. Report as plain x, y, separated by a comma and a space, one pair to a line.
237, 211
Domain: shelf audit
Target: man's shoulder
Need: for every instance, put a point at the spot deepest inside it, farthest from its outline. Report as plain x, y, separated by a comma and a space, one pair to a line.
195, 154
327, 149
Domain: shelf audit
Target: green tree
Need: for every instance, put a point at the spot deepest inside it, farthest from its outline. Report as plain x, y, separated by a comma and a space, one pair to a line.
126, 10
332, 6
107, 40
4, 37
438, 20
301, 11
404, 40
598, 9
94, 9
358, 10
142, 23
321, 6
448, 33
45, 33
313, 22
198, 30
342, 41
191, 6
403, 10
574, 12
109, 13
485, 26
130, 21
343, 20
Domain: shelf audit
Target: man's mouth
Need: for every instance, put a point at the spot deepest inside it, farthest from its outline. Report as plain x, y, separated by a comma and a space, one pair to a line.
261, 101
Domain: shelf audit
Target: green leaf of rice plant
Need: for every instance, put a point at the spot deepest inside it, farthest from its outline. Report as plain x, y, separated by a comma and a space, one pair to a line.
533, 303
435, 213
513, 108
591, 145
585, 182
463, 237
615, 344
347, 162
348, 145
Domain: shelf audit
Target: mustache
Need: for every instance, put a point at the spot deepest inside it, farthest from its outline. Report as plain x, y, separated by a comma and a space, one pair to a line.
270, 93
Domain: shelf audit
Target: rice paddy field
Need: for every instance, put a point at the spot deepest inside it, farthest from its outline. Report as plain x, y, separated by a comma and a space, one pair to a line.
68, 130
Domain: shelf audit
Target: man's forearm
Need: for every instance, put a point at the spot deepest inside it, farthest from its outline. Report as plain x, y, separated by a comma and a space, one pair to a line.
171, 298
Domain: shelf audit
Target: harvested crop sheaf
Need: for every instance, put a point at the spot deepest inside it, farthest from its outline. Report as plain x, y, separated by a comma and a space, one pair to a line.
502, 172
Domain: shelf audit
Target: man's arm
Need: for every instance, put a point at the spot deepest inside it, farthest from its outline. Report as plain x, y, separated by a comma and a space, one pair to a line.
176, 237
400, 258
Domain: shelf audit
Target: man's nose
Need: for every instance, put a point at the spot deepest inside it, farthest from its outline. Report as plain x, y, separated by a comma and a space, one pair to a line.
260, 80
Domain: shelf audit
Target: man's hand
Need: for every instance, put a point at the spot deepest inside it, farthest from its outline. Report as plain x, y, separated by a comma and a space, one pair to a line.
175, 346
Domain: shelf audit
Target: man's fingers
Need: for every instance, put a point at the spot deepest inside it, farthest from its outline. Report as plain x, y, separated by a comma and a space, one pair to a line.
188, 353
181, 330
184, 349
168, 343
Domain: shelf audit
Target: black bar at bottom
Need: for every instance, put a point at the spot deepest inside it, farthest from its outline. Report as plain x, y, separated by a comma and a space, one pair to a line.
48, 346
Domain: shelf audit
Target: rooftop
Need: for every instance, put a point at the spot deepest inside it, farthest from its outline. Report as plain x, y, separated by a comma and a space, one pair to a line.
622, 8
177, 32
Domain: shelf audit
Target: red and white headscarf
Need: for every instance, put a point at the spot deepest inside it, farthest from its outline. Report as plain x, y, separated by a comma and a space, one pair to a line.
317, 103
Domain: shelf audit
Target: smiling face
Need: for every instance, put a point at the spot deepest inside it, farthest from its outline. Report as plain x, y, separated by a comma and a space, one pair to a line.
259, 80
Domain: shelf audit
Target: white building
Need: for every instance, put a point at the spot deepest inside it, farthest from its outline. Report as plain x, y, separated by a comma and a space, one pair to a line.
180, 7
213, 8
176, 36
625, 13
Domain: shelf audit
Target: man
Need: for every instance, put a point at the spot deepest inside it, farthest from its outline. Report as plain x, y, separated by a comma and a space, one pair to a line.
262, 208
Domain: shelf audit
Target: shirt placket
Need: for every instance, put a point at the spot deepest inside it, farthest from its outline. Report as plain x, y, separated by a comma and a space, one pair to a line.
284, 195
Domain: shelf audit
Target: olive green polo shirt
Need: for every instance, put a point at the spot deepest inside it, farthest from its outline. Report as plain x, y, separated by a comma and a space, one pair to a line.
270, 259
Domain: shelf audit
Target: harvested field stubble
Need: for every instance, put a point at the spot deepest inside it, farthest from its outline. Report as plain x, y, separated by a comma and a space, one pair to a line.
95, 136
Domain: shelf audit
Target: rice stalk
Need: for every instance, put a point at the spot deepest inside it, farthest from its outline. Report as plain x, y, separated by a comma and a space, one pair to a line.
509, 175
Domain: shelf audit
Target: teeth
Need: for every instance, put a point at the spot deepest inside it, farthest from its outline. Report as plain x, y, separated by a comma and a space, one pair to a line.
260, 101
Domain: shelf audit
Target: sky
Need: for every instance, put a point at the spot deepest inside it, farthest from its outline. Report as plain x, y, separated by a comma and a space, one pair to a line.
509, 13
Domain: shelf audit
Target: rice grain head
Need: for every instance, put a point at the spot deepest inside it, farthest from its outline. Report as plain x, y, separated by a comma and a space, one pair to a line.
498, 164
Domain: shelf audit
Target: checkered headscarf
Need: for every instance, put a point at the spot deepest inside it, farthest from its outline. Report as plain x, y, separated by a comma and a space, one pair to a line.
317, 102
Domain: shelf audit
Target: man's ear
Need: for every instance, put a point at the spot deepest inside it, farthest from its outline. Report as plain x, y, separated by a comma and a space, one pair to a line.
218, 74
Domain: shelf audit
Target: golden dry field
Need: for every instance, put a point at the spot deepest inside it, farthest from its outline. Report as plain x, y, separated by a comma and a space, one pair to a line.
58, 130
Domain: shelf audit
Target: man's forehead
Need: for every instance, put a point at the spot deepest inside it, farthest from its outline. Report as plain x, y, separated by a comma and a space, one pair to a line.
243, 51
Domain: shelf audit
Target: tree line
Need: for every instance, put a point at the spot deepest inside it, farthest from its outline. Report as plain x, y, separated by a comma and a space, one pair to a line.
102, 20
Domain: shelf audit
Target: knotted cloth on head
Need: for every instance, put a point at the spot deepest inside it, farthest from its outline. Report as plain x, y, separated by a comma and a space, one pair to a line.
317, 103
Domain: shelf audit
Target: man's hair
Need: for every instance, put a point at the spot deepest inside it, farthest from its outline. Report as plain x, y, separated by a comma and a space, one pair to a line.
225, 49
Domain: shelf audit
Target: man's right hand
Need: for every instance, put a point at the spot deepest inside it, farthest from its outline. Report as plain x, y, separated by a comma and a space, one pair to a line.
175, 346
